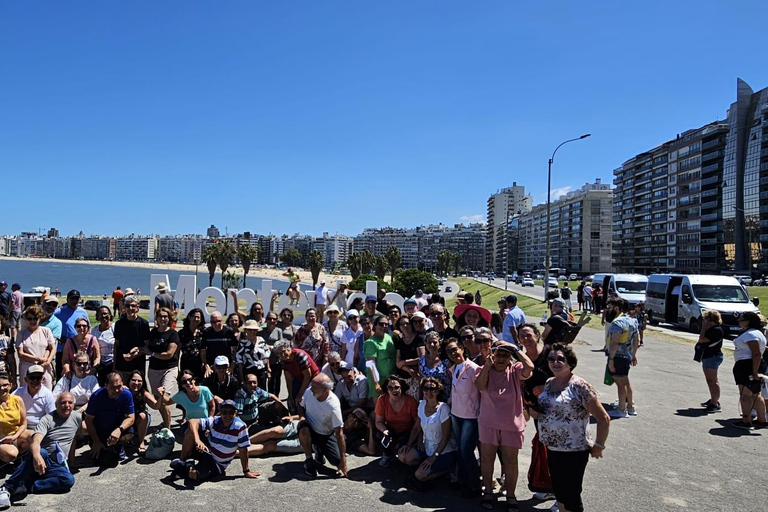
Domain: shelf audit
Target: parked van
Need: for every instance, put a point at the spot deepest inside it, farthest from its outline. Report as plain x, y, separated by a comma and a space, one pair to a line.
630, 287
681, 300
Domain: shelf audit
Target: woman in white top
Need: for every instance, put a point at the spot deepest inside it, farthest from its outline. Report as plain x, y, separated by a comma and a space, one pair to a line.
748, 354
105, 334
435, 453
350, 337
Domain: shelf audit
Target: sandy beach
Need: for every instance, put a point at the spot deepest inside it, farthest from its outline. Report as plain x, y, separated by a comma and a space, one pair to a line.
255, 271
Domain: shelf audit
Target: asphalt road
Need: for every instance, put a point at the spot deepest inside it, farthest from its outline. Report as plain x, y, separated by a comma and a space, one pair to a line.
670, 457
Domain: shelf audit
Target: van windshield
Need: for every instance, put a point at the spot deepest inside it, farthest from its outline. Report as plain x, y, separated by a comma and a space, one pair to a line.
630, 287
717, 293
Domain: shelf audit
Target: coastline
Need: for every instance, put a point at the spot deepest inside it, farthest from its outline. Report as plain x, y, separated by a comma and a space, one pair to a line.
261, 272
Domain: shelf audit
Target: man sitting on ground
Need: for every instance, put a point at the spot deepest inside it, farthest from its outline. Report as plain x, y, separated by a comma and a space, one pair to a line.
322, 427
225, 437
43, 468
109, 419
352, 391
247, 401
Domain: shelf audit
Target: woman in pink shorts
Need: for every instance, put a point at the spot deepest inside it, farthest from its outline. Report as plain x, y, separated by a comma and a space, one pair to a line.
501, 422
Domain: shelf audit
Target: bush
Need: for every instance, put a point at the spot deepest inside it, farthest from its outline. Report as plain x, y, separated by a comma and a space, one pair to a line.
408, 281
358, 283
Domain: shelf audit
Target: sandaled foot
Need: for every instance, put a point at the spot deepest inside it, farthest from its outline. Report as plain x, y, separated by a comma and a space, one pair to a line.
487, 501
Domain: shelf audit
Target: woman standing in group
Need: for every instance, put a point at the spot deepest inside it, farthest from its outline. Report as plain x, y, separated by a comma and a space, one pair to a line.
190, 341
566, 405
471, 314
141, 399
286, 325
748, 352
335, 327
83, 341
433, 425
253, 354
271, 334
465, 407
36, 345
312, 338
256, 312
432, 365
105, 334
709, 352
501, 422
409, 346
162, 349
234, 322
351, 338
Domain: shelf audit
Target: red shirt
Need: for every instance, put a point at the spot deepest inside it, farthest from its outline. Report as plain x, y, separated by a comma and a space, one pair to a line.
298, 363
117, 295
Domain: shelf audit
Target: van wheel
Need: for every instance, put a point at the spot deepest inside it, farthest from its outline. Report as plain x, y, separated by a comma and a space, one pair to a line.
695, 326
652, 320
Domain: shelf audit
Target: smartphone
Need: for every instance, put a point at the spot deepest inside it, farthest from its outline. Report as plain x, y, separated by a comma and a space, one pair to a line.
386, 441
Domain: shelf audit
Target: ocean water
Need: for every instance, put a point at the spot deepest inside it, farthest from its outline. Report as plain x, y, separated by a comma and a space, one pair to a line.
92, 279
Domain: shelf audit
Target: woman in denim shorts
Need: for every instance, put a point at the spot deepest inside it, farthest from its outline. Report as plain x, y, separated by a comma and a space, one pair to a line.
709, 352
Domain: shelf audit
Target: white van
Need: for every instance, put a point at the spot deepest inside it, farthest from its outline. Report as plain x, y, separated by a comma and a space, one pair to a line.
681, 300
630, 287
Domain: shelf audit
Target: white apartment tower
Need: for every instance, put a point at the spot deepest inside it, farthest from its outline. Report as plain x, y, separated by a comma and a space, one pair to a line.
503, 205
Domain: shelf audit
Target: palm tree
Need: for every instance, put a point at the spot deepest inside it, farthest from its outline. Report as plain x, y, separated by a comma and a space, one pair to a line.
354, 262
211, 259
381, 267
394, 261
226, 253
456, 263
247, 254
368, 261
315, 263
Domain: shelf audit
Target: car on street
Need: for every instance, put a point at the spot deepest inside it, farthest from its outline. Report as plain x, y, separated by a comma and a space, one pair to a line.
562, 278
527, 281
92, 304
573, 277
552, 283
448, 289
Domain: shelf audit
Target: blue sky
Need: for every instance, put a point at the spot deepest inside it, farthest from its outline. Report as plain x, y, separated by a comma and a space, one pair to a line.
305, 116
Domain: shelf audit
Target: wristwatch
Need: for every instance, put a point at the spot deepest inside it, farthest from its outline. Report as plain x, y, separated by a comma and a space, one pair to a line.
436, 454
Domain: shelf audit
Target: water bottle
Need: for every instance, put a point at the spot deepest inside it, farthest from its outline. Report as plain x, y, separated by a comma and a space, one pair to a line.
543, 319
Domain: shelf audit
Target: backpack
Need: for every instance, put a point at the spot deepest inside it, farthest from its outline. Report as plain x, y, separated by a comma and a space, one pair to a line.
160, 444
566, 333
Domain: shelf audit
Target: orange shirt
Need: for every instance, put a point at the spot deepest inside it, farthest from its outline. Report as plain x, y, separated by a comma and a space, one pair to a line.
402, 421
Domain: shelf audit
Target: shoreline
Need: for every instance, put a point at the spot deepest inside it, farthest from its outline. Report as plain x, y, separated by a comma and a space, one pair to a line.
260, 272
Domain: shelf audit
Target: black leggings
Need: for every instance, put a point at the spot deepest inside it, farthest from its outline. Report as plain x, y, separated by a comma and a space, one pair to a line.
567, 472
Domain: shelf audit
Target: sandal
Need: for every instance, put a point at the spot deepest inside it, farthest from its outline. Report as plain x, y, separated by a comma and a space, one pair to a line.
512, 505
487, 501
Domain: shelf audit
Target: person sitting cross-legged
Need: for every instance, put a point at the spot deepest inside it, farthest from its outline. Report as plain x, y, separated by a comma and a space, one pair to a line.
223, 438
43, 468
247, 400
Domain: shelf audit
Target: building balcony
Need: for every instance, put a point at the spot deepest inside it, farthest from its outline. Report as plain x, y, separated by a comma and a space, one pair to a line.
713, 143
709, 205
713, 154
710, 229
764, 180
709, 193
710, 168
710, 216
708, 254
710, 180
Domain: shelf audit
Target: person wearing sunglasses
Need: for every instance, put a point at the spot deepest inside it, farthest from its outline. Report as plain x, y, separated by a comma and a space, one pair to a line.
38, 400
501, 423
80, 382
438, 317
435, 453
380, 355
36, 345
197, 401
109, 419
83, 341
271, 334
395, 415
105, 335
68, 313
13, 421
564, 411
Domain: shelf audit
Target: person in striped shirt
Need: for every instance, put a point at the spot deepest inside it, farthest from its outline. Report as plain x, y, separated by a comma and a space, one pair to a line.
225, 434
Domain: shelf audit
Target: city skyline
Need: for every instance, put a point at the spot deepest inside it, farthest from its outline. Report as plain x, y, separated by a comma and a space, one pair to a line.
294, 108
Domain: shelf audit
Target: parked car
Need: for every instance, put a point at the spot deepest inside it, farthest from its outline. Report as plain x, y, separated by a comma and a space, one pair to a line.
527, 281
144, 304
92, 304
745, 280
511, 277
552, 283
519, 279
539, 276
573, 277
562, 278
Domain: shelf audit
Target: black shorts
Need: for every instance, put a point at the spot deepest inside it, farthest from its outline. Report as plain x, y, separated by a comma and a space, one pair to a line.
206, 467
741, 372
621, 366
327, 445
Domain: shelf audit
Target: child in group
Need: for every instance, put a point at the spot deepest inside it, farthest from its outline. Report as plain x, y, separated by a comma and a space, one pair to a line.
642, 320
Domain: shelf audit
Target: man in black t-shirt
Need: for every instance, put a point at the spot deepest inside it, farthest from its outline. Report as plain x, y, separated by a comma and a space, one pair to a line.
557, 321
218, 340
131, 334
438, 317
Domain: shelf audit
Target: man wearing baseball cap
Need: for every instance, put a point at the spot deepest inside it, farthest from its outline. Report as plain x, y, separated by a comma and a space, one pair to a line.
38, 399
68, 314
221, 382
369, 309
223, 437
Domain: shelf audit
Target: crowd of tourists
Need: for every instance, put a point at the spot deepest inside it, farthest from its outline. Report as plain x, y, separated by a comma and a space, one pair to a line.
438, 394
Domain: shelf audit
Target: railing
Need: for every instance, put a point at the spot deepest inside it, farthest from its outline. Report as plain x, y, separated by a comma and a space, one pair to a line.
711, 155
710, 180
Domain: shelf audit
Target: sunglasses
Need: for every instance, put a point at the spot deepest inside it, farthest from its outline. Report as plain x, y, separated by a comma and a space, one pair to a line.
394, 388
81, 326
481, 341
384, 324
468, 336
84, 363
435, 314
228, 412
332, 313
557, 359
429, 389
453, 350
187, 381
33, 319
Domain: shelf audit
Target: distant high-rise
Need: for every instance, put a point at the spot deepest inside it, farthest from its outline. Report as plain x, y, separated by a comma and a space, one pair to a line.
502, 206
212, 232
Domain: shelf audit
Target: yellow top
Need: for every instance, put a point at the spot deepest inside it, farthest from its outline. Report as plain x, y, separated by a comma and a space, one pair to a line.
10, 415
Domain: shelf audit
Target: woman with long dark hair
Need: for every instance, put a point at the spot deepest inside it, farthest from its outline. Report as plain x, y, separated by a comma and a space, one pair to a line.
190, 341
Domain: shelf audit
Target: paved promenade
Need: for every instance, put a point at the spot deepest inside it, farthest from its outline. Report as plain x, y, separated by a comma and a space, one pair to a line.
670, 457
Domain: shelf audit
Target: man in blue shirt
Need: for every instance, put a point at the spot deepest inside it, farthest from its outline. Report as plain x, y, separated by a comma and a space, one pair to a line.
68, 315
109, 419
512, 321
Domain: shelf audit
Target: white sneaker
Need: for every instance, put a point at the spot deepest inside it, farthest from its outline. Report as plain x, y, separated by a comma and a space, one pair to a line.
543, 496
618, 413
554, 508
5, 498
631, 411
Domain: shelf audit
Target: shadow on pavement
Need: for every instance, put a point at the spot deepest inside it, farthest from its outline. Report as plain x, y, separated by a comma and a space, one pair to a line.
691, 412
728, 430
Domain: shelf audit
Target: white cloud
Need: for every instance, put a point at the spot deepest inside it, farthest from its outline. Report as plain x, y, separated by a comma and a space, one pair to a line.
557, 192
471, 219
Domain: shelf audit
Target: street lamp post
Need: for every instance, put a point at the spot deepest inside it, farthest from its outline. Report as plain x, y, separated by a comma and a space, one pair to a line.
547, 263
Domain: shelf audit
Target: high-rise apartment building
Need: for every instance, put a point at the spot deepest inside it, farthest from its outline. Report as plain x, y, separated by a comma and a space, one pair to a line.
212, 232
580, 232
503, 205
138, 248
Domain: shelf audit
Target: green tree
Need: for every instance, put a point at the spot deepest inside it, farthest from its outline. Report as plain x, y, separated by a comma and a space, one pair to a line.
410, 280
291, 256
456, 263
381, 267
315, 263
247, 254
225, 254
211, 259
230, 280
368, 262
358, 283
355, 265
444, 259
394, 261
